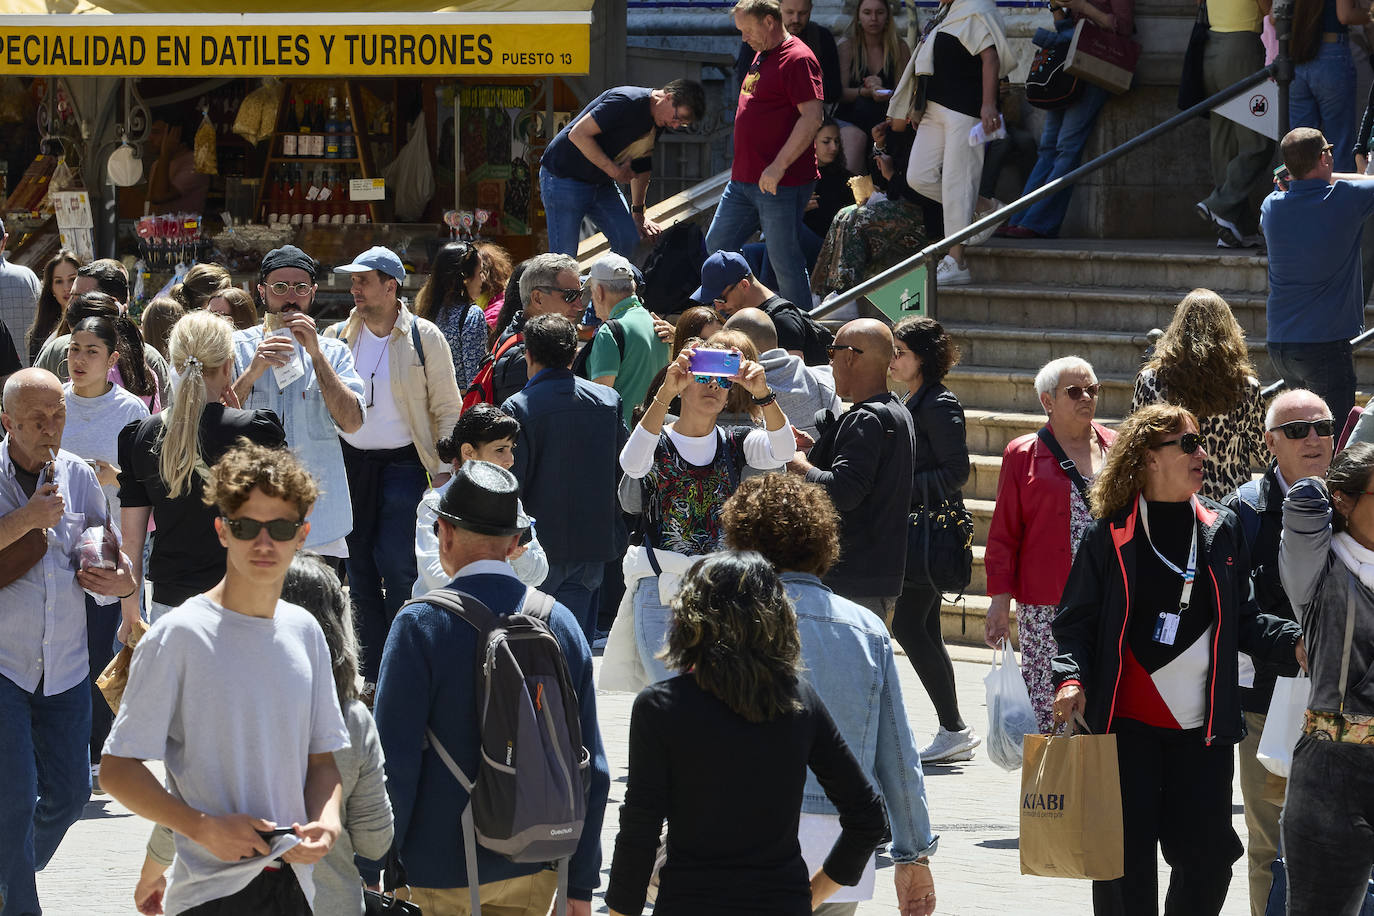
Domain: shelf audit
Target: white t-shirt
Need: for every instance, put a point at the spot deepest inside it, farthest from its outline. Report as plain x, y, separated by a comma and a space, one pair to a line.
234, 705
766, 450
817, 833
93, 425
383, 426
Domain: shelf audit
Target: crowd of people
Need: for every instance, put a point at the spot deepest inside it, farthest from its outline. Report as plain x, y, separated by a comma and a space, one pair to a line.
330, 521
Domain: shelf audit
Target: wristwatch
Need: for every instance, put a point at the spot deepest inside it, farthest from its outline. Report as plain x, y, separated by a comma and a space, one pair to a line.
637, 208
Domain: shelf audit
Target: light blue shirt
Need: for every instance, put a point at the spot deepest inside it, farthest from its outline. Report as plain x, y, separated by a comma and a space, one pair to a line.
849, 662
43, 624
310, 429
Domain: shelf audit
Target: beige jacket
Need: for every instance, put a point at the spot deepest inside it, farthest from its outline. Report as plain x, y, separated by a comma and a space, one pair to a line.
426, 396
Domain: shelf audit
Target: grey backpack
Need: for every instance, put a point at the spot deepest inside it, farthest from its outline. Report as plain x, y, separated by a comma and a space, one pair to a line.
528, 799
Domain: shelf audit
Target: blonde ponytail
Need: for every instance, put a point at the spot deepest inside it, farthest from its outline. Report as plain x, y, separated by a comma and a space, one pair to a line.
201, 342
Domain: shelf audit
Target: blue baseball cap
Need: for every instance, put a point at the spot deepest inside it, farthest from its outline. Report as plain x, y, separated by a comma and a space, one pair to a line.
382, 260
720, 270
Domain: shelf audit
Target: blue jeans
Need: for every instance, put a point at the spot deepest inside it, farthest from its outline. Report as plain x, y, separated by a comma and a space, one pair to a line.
1061, 151
756, 253
744, 209
652, 620
45, 782
381, 553
1326, 368
1323, 96
576, 587
567, 201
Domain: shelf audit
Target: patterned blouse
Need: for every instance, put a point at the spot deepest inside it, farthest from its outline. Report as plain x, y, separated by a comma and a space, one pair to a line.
684, 500
1234, 440
465, 328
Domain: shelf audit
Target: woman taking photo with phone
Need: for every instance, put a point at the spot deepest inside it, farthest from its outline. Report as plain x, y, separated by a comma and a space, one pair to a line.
1154, 612
686, 471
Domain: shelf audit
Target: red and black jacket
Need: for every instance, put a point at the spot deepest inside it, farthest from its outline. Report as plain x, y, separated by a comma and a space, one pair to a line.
1090, 627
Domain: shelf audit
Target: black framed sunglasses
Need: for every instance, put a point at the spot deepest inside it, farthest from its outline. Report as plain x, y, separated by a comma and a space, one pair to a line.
832, 349
1298, 429
1187, 443
567, 295
1076, 392
247, 529
281, 288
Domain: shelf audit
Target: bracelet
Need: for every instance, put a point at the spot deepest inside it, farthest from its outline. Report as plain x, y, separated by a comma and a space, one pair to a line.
131, 594
769, 398
666, 405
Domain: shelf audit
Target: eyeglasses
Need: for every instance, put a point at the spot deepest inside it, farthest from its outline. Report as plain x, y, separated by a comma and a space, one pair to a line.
1187, 443
1298, 429
679, 119
567, 295
833, 347
1328, 148
247, 529
720, 300
1076, 392
281, 288
721, 381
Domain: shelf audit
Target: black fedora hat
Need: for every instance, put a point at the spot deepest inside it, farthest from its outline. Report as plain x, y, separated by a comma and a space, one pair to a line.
485, 499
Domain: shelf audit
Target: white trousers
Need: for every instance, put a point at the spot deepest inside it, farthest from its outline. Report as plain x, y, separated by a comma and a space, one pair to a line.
944, 167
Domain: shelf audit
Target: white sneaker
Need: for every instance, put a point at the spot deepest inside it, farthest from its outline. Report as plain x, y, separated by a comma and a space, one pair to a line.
1226, 230
986, 234
949, 273
948, 746
95, 780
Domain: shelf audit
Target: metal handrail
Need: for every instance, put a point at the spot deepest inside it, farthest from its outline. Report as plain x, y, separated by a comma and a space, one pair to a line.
931, 252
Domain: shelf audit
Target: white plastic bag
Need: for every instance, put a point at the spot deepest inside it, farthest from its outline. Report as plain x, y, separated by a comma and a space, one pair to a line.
1283, 724
1010, 714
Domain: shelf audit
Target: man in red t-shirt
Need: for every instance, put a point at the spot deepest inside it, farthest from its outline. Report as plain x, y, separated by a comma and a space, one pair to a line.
775, 164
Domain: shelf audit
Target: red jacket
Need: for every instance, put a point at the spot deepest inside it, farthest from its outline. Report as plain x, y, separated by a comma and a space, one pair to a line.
1028, 551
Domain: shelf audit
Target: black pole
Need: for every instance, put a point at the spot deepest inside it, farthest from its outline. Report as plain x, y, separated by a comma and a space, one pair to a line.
1283, 64
930, 252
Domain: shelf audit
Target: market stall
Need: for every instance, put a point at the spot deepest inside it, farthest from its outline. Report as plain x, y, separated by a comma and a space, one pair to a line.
240, 126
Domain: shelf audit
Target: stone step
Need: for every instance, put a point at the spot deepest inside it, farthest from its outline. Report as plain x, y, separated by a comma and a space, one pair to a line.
1158, 264
1035, 305
981, 510
989, 431
1002, 390
962, 622
983, 472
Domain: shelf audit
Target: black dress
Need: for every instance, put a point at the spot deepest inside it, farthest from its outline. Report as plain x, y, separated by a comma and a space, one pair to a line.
731, 791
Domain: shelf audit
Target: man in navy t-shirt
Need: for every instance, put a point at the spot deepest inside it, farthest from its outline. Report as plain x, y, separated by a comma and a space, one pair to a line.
1316, 291
611, 142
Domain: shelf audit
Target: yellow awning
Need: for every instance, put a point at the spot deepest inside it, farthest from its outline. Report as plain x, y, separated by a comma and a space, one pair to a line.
281, 38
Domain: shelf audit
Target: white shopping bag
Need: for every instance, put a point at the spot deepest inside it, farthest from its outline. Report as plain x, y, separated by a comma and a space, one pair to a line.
1283, 724
1010, 714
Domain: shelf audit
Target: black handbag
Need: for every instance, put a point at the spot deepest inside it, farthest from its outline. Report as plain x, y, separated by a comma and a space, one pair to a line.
1048, 85
1191, 88
386, 903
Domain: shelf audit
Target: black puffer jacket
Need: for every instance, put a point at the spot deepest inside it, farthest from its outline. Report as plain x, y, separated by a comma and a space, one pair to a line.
1090, 627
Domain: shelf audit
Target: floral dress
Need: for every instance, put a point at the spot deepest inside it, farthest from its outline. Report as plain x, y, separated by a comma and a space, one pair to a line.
1035, 624
465, 328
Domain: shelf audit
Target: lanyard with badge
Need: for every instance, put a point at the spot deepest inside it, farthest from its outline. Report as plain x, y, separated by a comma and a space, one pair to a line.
1166, 627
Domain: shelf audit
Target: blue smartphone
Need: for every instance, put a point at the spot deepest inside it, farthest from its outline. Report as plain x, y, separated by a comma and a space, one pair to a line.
715, 362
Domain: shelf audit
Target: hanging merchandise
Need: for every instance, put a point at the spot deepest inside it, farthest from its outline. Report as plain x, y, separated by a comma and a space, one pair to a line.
257, 116
124, 168
411, 174
207, 162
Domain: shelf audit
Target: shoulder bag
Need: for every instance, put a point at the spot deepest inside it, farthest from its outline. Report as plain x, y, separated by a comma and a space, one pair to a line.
1049, 86
939, 541
1102, 57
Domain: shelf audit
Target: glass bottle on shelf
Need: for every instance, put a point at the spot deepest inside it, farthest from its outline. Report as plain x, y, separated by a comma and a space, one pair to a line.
348, 143
303, 144
290, 127
331, 130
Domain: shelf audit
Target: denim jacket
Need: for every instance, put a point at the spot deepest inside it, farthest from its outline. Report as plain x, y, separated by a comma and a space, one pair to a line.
310, 430
849, 662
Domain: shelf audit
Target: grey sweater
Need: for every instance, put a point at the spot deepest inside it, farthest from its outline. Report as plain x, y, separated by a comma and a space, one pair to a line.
1318, 583
365, 813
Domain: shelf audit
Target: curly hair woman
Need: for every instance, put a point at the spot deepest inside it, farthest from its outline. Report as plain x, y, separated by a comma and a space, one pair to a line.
735, 633
1154, 612
923, 353
1201, 363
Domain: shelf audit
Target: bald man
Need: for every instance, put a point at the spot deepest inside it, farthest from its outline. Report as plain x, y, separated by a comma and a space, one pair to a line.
45, 692
802, 390
865, 460
1300, 433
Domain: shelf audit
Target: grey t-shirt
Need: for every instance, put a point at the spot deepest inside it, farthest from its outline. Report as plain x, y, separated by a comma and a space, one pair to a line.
93, 425
234, 705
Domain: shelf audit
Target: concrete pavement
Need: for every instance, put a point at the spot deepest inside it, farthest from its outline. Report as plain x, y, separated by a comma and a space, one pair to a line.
973, 809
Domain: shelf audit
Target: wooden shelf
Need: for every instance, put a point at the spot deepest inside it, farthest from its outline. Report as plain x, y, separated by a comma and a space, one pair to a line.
310, 160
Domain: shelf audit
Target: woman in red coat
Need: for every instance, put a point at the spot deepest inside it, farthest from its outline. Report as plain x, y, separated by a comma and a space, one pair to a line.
1041, 514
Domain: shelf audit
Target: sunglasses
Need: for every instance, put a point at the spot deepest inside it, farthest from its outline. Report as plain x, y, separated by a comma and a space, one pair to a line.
1076, 392
720, 300
723, 382
833, 348
281, 288
1187, 443
568, 295
247, 529
1298, 429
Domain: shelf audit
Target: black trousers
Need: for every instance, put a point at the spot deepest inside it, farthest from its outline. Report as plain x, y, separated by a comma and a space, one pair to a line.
1175, 795
271, 893
916, 627
1327, 828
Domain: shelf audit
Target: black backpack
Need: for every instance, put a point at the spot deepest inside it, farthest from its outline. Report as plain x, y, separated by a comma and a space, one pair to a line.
579, 363
528, 799
672, 272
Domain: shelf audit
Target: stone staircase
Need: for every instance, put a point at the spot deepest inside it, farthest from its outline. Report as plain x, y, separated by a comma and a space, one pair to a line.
1033, 302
